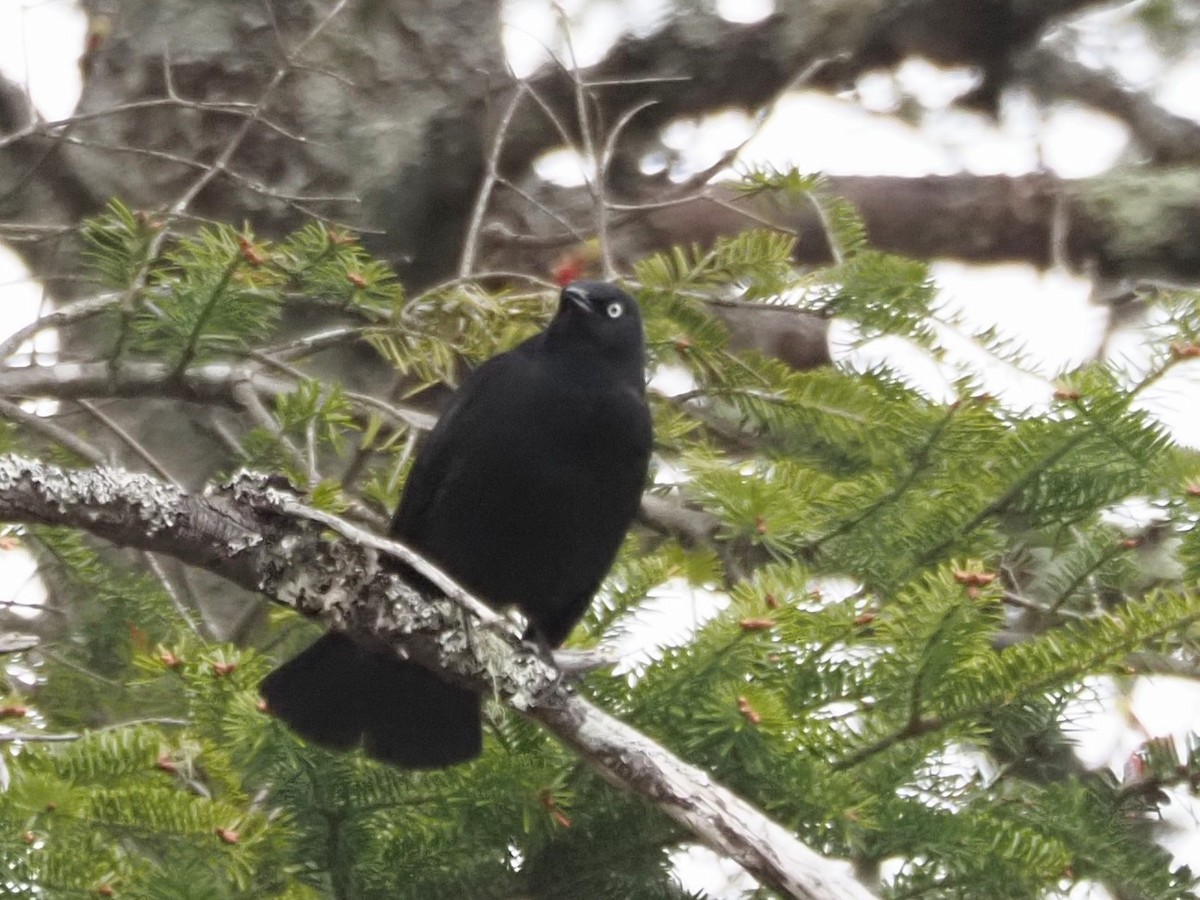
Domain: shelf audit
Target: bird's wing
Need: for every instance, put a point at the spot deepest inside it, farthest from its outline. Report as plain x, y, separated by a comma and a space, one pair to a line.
445, 446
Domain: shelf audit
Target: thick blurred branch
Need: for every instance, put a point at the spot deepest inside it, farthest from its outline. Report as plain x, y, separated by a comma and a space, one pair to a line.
1138, 223
700, 63
1167, 138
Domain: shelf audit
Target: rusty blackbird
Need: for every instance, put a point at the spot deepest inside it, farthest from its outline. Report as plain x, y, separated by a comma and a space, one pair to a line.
523, 492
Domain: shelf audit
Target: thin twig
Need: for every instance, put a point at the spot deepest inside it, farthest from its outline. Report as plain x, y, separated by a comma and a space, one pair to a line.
173, 594
310, 443
220, 164
227, 107
595, 179
413, 418
313, 343
573, 233
235, 141
610, 144
471, 245
67, 315
13, 412
211, 383
127, 439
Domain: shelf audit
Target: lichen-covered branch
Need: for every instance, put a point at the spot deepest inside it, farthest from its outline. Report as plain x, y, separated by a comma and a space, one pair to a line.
256, 534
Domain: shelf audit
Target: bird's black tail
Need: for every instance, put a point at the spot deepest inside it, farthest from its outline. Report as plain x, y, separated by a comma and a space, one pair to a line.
339, 695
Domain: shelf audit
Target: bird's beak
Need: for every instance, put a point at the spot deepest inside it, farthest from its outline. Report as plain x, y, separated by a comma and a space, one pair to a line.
579, 298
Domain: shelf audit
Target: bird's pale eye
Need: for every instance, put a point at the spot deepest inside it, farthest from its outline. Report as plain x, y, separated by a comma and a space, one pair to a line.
614, 310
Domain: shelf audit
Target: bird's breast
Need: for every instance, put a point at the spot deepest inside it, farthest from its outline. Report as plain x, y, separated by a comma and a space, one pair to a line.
548, 494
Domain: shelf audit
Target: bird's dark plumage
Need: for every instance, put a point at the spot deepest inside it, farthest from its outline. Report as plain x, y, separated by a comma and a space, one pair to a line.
522, 492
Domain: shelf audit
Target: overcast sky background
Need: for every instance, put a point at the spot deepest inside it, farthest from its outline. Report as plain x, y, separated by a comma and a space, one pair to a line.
1049, 313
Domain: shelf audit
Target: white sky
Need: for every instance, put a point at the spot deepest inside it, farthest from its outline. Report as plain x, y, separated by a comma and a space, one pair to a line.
1050, 312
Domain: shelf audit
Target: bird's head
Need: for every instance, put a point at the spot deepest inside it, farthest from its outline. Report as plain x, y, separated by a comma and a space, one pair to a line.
605, 318
600, 321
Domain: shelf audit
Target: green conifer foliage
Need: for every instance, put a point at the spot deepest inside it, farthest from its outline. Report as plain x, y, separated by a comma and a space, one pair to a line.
915, 720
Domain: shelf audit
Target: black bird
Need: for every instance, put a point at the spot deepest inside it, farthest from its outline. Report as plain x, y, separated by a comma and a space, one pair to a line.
523, 492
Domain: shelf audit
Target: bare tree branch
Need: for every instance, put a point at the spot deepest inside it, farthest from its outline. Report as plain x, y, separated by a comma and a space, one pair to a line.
127, 439
1168, 138
215, 383
259, 537
467, 264
78, 311
52, 431
12, 642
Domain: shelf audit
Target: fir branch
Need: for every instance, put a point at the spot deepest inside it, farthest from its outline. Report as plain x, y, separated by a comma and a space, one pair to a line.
207, 311
1002, 502
1098, 415
1110, 549
920, 460
1049, 662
